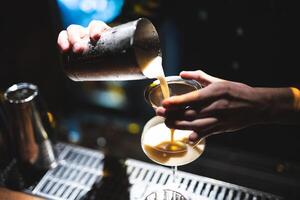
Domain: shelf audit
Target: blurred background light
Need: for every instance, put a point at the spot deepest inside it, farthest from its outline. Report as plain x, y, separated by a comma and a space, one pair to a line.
110, 95
83, 11
74, 136
133, 128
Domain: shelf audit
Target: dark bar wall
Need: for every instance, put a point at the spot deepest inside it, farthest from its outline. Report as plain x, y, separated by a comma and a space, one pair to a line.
28, 50
245, 41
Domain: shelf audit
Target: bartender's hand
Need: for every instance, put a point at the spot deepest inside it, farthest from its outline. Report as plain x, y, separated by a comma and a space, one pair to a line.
75, 38
226, 106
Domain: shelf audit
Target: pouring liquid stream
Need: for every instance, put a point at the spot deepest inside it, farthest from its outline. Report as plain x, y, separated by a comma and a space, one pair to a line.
170, 147
154, 69
166, 94
173, 147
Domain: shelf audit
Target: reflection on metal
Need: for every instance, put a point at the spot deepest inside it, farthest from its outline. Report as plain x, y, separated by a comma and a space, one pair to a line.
148, 177
122, 53
80, 168
77, 171
165, 194
31, 142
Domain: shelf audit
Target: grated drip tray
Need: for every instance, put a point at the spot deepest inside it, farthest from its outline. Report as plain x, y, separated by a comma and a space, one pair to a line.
80, 169
144, 176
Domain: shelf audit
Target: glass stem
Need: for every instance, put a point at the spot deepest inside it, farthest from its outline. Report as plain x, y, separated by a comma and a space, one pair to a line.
174, 174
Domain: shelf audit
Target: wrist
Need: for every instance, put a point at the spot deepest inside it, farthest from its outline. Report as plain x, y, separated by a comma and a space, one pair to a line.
279, 105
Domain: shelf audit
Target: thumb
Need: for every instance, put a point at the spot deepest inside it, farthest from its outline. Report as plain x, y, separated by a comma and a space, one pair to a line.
200, 76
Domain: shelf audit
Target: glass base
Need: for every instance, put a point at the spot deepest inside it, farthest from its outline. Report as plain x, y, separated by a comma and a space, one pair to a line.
165, 194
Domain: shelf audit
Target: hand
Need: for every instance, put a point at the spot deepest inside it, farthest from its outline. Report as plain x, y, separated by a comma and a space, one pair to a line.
222, 106
76, 37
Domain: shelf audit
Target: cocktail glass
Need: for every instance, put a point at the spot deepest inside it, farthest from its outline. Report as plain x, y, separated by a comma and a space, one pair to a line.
158, 144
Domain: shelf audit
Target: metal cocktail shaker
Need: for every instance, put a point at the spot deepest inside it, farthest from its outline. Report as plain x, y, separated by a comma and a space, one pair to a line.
120, 54
30, 142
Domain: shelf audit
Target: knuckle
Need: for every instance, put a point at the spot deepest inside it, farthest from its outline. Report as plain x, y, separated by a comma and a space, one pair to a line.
199, 73
72, 27
61, 33
222, 89
222, 104
190, 114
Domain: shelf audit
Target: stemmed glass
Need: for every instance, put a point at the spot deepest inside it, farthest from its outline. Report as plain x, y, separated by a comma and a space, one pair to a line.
168, 148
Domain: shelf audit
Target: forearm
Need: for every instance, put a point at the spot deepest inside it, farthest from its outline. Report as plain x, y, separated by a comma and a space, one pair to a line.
282, 105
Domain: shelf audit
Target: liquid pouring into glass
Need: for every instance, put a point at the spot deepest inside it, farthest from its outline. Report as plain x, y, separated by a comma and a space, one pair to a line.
161, 144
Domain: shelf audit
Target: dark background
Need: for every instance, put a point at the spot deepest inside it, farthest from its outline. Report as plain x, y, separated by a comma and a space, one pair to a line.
254, 42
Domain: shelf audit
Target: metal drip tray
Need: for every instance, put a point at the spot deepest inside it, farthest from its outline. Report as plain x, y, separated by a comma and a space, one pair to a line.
80, 169
77, 171
193, 186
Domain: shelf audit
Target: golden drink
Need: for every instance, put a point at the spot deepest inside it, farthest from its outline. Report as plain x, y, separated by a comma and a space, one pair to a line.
157, 145
166, 146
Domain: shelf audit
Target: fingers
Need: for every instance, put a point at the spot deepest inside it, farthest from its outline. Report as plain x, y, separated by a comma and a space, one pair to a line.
63, 42
181, 101
77, 36
196, 98
183, 114
96, 28
194, 137
160, 111
200, 76
195, 125
76, 33
202, 128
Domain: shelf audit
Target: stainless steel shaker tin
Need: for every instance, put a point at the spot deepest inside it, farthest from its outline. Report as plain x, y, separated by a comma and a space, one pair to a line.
119, 54
29, 139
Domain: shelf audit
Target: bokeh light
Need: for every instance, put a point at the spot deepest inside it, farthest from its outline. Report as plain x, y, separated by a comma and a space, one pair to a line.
83, 11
